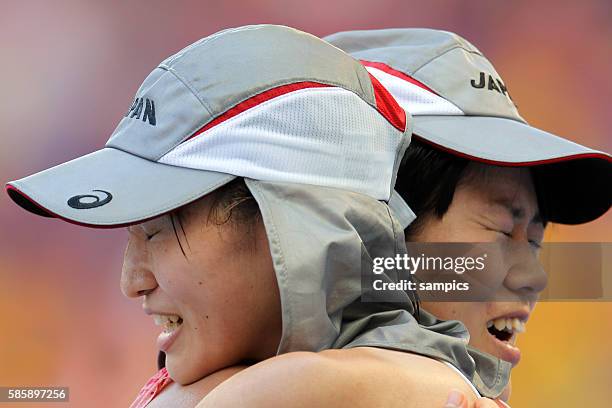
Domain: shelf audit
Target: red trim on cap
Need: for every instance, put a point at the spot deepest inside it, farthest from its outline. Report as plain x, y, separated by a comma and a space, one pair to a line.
515, 164
385, 68
257, 100
9, 187
388, 106
385, 104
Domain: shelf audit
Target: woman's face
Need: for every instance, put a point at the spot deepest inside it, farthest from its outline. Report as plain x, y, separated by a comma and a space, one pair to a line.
218, 303
497, 205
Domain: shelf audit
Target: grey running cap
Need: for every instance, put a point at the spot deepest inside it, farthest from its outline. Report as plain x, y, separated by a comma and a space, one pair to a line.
461, 105
265, 102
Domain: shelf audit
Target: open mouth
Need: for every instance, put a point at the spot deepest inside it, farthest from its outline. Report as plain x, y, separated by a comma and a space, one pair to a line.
168, 323
504, 328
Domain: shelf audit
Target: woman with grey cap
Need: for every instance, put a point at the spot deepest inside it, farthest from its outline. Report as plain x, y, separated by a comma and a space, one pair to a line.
475, 171
253, 171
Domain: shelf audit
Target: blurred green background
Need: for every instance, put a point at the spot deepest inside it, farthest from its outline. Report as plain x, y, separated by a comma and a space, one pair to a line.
69, 72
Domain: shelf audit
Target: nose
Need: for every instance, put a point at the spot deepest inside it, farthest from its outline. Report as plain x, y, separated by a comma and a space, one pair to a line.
526, 276
136, 276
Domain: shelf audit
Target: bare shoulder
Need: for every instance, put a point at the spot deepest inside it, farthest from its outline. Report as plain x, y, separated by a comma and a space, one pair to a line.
177, 396
355, 378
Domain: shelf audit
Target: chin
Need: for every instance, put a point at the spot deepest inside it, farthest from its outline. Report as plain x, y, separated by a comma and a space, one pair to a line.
181, 373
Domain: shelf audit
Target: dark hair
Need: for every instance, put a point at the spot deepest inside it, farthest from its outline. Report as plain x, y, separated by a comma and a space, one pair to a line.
232, 204
427, 180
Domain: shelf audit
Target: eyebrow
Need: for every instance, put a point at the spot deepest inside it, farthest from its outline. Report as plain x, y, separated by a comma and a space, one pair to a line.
518, 213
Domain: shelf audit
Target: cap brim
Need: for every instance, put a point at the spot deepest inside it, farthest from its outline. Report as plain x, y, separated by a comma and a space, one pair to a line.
111, 188
577, 179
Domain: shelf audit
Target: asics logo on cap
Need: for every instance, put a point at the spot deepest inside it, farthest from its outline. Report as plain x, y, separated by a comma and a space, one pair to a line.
144, 107
486, 81
77, 203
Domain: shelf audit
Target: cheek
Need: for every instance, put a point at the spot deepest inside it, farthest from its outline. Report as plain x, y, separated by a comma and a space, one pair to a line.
220, 282
442, 310
181, 279
487, 282
464, 311
469, 313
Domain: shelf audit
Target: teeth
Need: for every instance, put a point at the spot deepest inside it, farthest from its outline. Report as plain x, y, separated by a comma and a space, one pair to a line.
500, 324
167, 322
519, 326
509, 325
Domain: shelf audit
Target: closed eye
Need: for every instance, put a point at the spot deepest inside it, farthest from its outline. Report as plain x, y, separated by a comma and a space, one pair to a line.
535, 244
507, 234
150, 236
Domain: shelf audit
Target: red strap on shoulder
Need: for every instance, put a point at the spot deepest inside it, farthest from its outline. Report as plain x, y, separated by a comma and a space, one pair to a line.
152, 388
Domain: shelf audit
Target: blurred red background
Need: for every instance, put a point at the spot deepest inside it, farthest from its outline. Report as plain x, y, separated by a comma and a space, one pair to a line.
69, 72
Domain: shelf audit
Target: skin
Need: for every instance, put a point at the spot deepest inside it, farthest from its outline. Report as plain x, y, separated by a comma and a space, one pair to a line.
384, 378
500, 207
205, 360
223, 287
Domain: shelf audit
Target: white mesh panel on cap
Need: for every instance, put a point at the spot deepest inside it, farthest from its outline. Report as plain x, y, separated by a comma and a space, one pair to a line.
413, 98
323, 136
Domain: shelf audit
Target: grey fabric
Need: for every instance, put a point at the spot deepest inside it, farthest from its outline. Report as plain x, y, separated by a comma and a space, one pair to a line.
185, 92
576, 178
320, 239
205, 79
140, 189
495, 139
402, 211
443, 61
